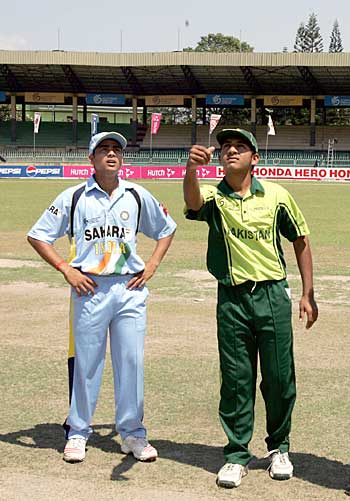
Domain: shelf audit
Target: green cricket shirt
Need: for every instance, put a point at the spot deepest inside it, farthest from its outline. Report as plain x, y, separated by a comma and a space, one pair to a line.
244, 240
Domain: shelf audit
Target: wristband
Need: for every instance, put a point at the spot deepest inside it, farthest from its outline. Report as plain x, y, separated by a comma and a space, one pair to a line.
57, 266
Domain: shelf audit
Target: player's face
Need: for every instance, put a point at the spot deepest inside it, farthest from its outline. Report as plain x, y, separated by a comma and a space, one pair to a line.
237, 156
107, 157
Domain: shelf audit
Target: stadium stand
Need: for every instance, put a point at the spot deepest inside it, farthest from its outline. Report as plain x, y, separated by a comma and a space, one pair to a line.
169, 136
54, 134
145, 79
54, 143
288, 137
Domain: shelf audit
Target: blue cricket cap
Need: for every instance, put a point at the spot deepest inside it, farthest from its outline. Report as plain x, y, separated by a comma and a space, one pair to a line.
101, 136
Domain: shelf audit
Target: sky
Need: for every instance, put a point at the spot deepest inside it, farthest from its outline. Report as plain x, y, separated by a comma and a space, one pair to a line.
162, 26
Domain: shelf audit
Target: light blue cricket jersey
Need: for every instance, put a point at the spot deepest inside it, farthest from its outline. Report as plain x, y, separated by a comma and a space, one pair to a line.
105, 229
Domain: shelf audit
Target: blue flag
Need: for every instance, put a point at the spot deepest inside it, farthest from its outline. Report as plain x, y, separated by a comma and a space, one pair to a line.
94, 123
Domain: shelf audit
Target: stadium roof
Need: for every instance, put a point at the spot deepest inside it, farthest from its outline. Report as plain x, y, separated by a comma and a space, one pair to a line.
175, 73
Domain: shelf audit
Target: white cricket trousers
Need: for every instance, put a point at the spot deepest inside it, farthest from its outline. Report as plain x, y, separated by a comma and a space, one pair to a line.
123, 312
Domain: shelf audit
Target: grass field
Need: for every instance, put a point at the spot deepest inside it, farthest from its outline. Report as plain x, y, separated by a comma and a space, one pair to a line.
182, 377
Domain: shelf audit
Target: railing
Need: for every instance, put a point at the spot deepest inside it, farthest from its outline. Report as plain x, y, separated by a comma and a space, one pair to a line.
169, 157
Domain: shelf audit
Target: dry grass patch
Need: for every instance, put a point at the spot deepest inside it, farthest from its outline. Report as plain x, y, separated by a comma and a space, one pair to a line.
182, 386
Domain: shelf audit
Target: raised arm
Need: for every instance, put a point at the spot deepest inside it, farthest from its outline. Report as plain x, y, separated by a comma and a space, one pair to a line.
307, 303
199, 155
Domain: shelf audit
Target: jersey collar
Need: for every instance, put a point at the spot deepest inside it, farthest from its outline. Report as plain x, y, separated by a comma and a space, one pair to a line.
256, 186
226, 189
93, 184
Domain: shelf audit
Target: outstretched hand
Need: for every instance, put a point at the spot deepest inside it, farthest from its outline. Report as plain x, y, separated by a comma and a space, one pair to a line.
199, 155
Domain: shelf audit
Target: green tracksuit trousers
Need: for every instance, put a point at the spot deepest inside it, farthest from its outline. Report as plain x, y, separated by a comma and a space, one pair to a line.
255, 318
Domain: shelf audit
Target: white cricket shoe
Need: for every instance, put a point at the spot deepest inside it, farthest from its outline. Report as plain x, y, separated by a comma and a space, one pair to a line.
74, 451
280, 467
230, 475
140, 448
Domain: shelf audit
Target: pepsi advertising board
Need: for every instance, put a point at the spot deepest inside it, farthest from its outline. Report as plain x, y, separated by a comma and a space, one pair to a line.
11, 171
31, 171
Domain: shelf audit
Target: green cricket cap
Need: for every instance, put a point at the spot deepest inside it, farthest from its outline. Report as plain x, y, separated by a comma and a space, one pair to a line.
225, 134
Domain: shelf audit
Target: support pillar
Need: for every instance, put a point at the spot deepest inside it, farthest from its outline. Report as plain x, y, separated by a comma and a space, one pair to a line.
253, 115
75, 120
194, 121
134, 122
313, 122
13, 118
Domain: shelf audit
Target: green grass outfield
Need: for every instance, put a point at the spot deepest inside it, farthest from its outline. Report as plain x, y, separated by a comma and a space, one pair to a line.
325, 206
181, 373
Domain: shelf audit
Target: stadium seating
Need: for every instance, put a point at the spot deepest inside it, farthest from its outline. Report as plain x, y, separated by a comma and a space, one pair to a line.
287, 137
54, 144
54, 135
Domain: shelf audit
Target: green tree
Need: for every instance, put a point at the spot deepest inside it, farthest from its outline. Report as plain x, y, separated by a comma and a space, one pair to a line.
336, 44
5, 114
314, 40
231, 116
217, 42
308, 37
300, 39
172, 115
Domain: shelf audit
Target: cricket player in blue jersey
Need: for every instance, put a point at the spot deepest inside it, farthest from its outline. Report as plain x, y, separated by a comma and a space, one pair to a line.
108, 289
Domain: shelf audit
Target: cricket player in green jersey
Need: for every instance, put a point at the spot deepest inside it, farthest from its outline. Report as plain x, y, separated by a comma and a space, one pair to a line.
246, 219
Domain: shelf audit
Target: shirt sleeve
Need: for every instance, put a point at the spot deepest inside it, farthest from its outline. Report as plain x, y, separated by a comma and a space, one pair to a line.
155, 221
291, 221
203, 214
54, 222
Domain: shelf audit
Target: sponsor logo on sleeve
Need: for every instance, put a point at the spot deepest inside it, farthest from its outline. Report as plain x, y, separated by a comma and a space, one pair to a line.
55, 211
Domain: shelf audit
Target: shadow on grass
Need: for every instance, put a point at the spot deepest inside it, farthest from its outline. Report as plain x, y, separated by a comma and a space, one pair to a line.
51, 436
317, 470
42, 436
314, 469
206, 457
321, 471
